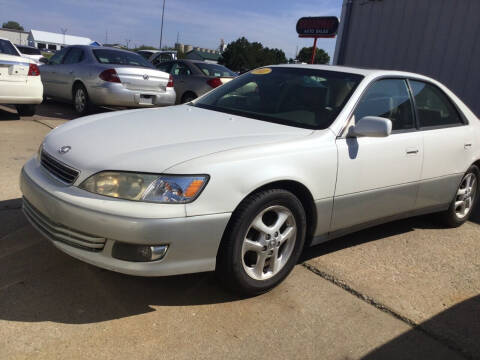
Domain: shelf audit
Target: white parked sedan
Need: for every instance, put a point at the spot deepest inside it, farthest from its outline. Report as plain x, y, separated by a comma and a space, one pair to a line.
20, 83
241, 179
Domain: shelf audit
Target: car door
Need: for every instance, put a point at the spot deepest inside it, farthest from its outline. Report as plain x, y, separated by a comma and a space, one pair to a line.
378, 177
180, 72
49, 73
447, 145
68, 71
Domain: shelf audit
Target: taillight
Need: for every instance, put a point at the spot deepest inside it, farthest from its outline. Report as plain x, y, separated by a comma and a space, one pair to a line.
214, 82
170, 81
33, 70
109, 75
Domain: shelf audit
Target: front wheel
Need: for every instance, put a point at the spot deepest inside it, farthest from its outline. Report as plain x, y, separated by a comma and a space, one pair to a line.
262, 243
465, 199
26, 110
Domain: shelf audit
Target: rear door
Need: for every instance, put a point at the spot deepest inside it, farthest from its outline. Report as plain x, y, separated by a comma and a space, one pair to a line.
447, 144
67, 72
378, 177
181, 74
50, 74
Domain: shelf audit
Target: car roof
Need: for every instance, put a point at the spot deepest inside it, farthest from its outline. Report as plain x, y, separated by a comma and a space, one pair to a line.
354, 70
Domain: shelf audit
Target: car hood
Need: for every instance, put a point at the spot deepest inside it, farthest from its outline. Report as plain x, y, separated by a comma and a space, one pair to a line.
153, 140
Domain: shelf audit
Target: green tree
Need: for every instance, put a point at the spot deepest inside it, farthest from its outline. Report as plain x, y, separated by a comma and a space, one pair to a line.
242, 55
12, 25
321, 57
145, 47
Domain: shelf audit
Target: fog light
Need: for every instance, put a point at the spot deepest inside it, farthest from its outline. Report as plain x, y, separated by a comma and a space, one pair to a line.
138, 253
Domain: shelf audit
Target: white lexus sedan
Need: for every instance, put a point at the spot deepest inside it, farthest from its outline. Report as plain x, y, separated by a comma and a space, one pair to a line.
242, 179
20, 83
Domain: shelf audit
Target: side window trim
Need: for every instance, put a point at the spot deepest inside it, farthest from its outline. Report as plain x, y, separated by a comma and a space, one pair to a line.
454, 105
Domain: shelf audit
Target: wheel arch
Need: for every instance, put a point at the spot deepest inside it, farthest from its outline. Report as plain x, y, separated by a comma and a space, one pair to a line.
74, 85
301, 192
188, 92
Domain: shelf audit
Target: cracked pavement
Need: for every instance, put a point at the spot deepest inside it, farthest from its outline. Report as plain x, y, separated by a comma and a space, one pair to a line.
405, 290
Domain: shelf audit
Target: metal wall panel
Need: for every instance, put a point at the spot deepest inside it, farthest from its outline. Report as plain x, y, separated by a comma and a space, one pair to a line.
438, 38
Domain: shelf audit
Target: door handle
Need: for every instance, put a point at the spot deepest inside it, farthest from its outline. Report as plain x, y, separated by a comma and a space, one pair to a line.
467, 146
411, 151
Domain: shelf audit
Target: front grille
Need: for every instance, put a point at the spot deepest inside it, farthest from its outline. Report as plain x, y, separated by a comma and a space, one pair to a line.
61, 233
58, 169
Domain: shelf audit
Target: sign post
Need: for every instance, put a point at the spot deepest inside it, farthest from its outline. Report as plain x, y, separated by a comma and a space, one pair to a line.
317, 27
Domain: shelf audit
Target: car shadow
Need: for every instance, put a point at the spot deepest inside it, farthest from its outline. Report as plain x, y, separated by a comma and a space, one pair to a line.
8, 113
457, 328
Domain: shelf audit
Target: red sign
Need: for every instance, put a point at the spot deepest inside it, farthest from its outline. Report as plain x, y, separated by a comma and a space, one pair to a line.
317, 27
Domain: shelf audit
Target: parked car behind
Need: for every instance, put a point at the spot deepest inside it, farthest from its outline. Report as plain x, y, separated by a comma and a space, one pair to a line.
93, 75
241, 179
30, 52
20, 83
193, 78
161, 56
147, 53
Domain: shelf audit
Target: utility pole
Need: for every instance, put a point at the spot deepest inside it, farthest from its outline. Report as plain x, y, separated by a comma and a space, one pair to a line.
64, 31
106, 36
161, 28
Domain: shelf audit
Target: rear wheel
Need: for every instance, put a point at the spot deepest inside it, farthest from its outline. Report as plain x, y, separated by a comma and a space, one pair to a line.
81, 101
262, 243
187, 97
26, 110
465, 199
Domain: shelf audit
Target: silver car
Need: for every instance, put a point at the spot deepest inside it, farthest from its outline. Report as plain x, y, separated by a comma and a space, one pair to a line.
92, 75
193, 78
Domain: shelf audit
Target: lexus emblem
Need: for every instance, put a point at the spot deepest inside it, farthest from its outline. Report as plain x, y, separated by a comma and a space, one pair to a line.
145, 77
64, 149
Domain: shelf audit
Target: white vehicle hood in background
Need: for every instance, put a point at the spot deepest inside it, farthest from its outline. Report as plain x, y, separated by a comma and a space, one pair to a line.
154, 140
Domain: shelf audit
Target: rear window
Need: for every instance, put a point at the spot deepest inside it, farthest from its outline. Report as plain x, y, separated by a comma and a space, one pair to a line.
214, 70
28, 50
115, 57
6, 47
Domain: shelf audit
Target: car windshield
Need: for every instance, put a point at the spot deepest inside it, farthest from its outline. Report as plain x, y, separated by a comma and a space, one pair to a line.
301, 97
28, 50
215, 70
116, 57
6, 47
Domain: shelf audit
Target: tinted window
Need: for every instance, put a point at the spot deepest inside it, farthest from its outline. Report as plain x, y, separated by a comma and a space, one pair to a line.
58, 57
118, 57
433, 106
180, 69
6, 47
166, 66
28, 50
214, 70
389, 99
145, 54
299, 97
75, 55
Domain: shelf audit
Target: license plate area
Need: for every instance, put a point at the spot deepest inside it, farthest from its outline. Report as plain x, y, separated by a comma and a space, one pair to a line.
146, 99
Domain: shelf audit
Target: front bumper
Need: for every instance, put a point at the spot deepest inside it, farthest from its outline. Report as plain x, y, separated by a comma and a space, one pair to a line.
193, 241
113, 94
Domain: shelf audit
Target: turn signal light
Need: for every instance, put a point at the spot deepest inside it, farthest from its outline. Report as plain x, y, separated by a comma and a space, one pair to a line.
193, 188
33, 70
109, 75
214, 82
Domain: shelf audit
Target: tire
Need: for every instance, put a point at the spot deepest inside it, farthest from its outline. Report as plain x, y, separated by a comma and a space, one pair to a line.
245, 259
464, 200
26, 110
187, 97
81, 101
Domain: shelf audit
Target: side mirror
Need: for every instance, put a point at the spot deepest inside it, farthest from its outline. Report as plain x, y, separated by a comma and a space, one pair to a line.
372, 126
43, 60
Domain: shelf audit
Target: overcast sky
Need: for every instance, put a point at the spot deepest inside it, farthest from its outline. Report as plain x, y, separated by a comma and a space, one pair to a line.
199, 22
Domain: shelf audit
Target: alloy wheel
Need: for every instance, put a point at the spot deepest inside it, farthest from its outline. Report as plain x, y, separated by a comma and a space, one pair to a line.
269, 242
80, 100
465, 196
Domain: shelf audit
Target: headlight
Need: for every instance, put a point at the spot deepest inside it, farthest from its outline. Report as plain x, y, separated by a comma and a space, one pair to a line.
146, 187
